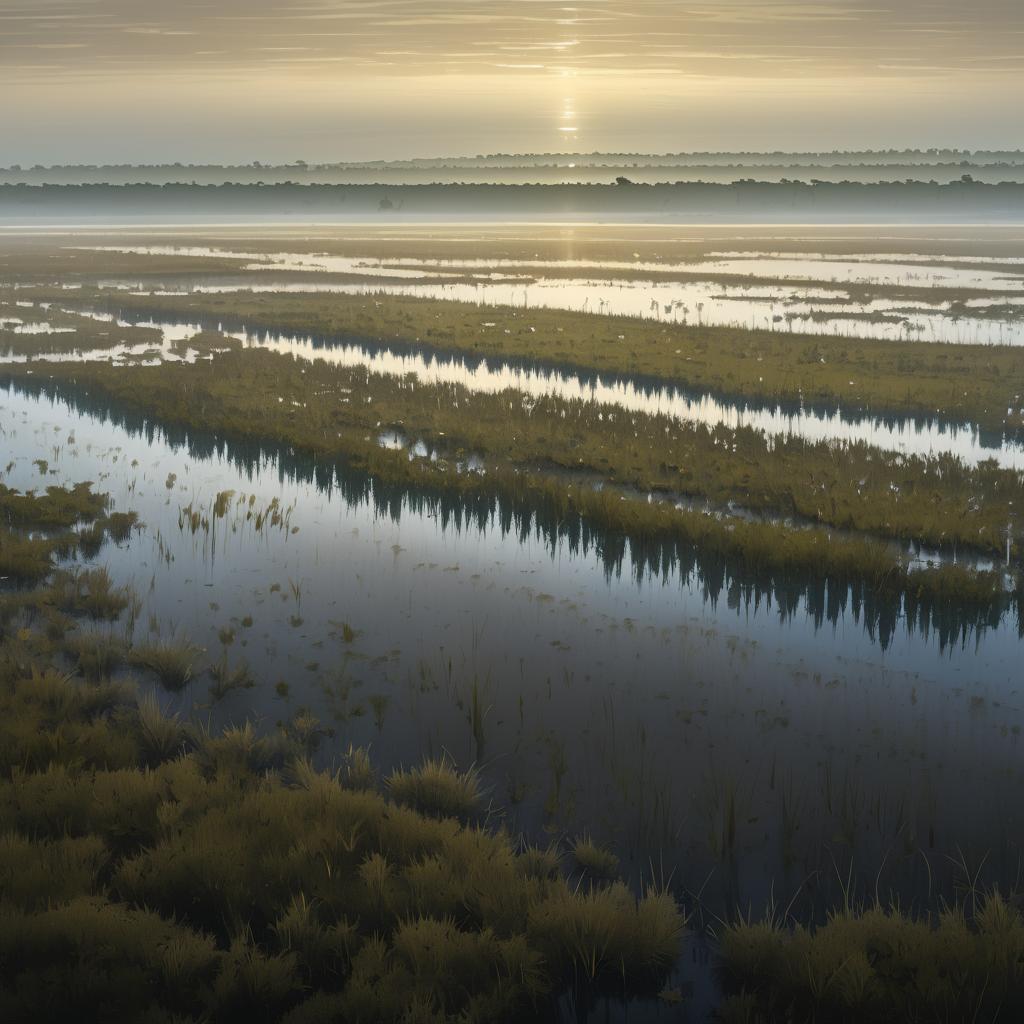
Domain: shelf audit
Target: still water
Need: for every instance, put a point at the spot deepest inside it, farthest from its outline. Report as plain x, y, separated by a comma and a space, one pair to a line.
815, 303
736, 734
925, 437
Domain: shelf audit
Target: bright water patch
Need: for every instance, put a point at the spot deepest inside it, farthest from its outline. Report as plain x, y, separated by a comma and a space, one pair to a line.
823, 307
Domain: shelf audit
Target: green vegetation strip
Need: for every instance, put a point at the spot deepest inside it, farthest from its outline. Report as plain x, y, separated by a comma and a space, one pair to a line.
56, 332
330, 412
979, 383
852, 487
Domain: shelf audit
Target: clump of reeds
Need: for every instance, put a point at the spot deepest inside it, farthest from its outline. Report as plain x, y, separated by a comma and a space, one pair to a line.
171, 662
880, 964
24, 559
161, 736
594, 860
56, 508
97, 656
437, 788
227, 679
606, 934
90, 592
358, 771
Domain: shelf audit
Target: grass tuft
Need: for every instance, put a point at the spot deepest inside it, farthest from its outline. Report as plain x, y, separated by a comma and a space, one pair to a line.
437, 788
170, 662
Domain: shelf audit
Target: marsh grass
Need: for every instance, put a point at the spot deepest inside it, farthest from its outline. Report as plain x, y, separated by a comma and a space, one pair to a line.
971, 382
630, 454
97, 655
593, 860
58, 508
226, 679
120, 526
855, 487
171, 662
213, 882
306, 731
438, 788
153, 870
162, 736
604, 935
89, 592
24, 559
59, 522
358, 770
91, 539
878, 963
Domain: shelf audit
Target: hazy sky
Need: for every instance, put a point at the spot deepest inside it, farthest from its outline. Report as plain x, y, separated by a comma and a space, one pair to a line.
237, 80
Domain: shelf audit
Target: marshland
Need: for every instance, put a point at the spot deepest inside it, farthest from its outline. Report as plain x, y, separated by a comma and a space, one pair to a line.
667, 582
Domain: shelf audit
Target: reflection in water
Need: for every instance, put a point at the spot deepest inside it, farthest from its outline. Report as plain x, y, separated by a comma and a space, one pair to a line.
889, 269
878, 270
810, 421
824, 308
530, 518
737, 732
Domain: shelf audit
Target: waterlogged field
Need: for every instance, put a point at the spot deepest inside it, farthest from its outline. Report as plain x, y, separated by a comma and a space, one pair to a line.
968, 299
737, 599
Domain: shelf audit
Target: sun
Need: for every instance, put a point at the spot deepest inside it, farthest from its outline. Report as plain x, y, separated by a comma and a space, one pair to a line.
568, 118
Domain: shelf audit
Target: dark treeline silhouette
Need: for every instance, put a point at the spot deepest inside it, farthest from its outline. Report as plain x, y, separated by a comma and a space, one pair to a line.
546, 169
750, 200
734, 158
527, 515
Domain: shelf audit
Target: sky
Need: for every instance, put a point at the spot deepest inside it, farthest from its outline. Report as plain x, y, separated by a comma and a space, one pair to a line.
105, 81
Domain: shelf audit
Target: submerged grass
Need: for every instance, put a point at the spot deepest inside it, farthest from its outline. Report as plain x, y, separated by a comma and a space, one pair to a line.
56, 508
63, 520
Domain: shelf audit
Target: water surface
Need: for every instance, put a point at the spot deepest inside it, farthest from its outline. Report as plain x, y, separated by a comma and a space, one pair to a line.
640, 696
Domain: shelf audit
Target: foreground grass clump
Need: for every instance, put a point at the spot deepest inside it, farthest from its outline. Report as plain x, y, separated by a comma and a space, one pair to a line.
96, 655
154, 871
878, 965
204, 883
594, 860
438, 789
170, 662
